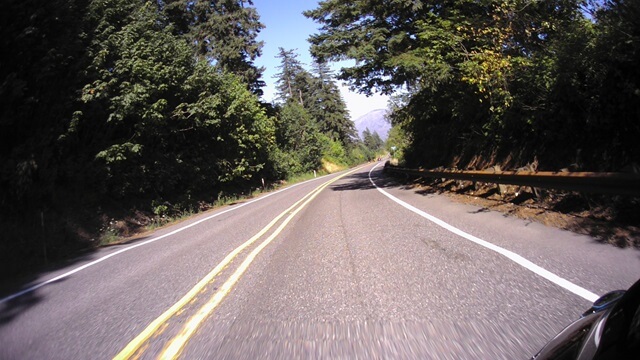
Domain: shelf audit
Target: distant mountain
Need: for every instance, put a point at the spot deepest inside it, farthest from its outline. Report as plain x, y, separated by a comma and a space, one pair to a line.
375, 121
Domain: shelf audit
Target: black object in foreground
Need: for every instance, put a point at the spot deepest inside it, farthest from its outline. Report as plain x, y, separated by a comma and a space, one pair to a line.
610, 329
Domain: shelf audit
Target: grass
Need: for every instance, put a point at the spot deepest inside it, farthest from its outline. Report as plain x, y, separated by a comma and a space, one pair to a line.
108, 228
303, 177
112, 235
109, 237
160, 221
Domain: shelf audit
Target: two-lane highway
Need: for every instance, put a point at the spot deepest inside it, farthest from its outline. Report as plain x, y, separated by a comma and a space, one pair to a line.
349, 265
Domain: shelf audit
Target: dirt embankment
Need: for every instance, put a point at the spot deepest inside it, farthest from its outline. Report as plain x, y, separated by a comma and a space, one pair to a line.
610, 219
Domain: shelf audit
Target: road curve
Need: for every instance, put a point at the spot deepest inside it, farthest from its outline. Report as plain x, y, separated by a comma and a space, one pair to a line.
338, 267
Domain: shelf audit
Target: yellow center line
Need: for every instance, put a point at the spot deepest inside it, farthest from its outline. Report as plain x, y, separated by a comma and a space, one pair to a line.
135, 345
175, 346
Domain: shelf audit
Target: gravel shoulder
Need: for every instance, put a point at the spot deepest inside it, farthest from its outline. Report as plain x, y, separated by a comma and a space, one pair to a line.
609, 219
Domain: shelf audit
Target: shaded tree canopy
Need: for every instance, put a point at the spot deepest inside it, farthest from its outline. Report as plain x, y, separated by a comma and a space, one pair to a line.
110, 105
317, 92
506, 79
222, 31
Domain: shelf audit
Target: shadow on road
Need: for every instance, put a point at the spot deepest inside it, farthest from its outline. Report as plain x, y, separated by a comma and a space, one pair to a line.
608, 220
360, 181
11, 309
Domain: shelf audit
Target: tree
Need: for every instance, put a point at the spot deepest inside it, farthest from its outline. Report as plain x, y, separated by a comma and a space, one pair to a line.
396, 142
292, 80
467, 65
42, 46
299, 148
106, 108
155, 122
317, 93
411, 43
372, 141
360, 31
328, 108
223, 32
617, 83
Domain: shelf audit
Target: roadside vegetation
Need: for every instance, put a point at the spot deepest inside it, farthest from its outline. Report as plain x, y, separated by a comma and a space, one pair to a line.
119, 114
518, 84
116, 114
554, 84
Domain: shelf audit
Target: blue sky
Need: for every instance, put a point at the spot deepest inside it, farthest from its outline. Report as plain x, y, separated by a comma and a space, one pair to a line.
286, 27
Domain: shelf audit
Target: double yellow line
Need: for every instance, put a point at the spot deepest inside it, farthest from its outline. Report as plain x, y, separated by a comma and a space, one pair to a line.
175, 346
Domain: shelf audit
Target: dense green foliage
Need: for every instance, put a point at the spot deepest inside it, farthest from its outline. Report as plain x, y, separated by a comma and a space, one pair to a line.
312, 116
113, 107
299, 147
223, 32
372, 140
154, 122
511, 80
42, 47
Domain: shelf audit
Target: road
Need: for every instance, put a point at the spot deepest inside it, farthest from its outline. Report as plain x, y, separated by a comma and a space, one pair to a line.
350, 265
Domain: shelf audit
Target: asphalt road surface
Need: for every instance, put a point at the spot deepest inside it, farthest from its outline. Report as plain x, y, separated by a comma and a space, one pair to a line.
350, 265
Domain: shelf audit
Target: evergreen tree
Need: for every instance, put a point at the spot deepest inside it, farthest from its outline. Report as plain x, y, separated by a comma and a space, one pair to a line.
372, 141
299, 148
222, 31
328, 108
317, 93
422, 43
293, 81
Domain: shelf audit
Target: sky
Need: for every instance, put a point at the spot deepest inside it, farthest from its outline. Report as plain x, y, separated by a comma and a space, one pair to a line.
286, 27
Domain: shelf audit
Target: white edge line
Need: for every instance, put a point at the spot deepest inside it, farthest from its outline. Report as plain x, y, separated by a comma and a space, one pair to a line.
80, 268
580, 291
